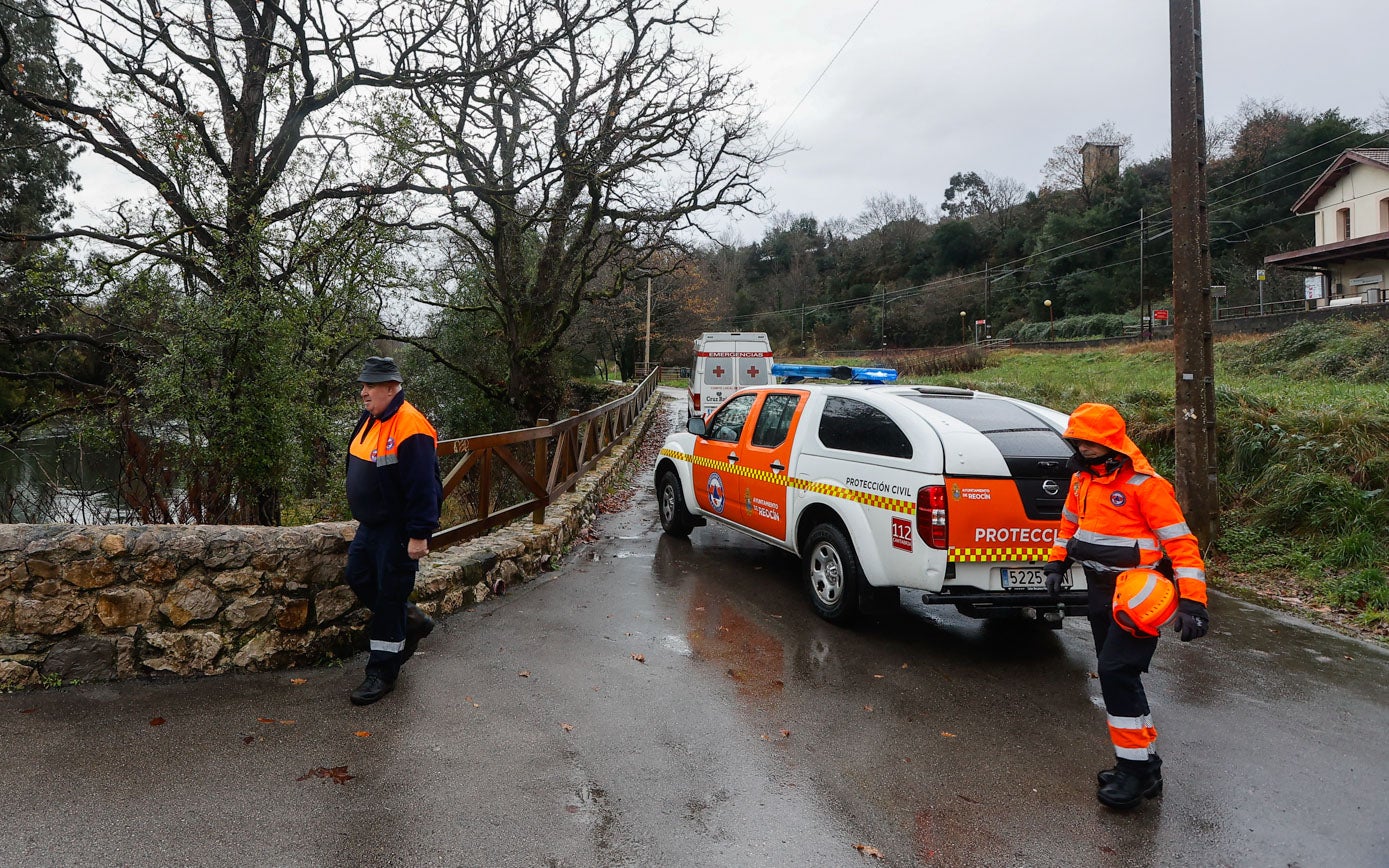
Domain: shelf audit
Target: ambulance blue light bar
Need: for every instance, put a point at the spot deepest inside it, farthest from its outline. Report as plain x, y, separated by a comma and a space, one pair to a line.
796, 373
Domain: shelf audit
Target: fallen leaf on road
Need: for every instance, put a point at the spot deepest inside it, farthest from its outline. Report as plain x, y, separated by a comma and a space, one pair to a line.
904, 666
868, 708
945, 734
337, 774
764, 737
786, 733
362, 733
972, 801
286, 723
248, 739
27, 710
298, 681
158, 721
640, 658
1093, 674
877, 676
266, 719
1347, 656
567, 727
699, 608
524, 673
869, 851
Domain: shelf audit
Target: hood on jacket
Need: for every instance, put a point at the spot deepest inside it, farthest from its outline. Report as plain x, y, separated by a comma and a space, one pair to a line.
1102, 424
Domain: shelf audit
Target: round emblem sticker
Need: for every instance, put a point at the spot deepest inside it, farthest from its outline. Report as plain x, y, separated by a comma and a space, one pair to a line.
1117, 498
373, 455
716, 497
390, 443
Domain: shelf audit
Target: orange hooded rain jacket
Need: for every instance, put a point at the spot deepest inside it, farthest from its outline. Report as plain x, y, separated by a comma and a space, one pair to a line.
1127, 517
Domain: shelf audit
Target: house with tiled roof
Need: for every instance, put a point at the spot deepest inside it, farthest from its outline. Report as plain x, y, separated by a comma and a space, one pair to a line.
1350, 204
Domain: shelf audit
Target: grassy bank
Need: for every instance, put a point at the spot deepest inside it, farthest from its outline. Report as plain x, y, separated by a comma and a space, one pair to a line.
1303, 452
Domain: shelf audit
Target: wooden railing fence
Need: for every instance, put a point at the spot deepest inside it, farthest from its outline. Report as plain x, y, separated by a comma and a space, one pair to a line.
544, 462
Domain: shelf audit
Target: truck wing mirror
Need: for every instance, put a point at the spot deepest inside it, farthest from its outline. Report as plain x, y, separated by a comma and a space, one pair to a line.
695, 426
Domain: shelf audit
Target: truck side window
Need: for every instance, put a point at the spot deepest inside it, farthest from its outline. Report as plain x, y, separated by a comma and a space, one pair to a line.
728, 423
774, 420
857, 427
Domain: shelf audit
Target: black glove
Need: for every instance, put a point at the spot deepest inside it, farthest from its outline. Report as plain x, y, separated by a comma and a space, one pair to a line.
1192, 620
1055, 576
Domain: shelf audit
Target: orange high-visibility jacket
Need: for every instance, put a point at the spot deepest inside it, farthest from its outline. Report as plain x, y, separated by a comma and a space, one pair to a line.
1126, 518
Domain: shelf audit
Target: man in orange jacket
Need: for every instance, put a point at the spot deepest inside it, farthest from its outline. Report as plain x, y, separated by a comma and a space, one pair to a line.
394, 492
1120, 514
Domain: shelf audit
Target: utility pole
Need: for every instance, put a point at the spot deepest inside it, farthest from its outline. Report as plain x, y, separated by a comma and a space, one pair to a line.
1142, 311
647, 369
1191, 277
986, 290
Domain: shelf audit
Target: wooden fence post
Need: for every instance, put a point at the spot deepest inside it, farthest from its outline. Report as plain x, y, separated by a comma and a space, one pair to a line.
542, 445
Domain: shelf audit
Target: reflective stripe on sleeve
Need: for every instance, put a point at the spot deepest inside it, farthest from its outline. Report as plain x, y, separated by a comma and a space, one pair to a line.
1172, 531
1190, 573
1070, 516
1062, 542
1106, 539
394, 647
1138, 479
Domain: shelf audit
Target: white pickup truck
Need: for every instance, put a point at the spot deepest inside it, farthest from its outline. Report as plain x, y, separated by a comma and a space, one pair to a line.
949, 492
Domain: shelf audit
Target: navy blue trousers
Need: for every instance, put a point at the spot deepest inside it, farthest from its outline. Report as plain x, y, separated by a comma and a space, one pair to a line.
381, 572
1122, 658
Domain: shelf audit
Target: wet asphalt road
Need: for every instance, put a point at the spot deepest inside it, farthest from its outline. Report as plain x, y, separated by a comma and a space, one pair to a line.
525, 733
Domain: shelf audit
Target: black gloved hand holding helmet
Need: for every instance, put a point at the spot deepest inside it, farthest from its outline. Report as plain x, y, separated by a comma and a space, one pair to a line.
1055, 576
1191, 621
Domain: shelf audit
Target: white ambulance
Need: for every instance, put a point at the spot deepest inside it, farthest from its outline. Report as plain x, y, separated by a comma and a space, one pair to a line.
951, 493
724, 363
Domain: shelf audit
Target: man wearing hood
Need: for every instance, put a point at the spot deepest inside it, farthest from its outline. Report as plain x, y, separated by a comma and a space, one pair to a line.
1120, 514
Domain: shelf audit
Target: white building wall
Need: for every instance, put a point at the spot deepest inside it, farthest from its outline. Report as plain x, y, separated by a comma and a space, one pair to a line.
1361, 190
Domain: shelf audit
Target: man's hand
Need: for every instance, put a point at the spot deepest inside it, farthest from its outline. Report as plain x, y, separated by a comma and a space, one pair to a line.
1055, 573
417, 549
1192, 620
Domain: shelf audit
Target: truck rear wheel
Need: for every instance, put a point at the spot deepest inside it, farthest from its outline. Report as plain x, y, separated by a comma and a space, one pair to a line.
675, 518
832, 574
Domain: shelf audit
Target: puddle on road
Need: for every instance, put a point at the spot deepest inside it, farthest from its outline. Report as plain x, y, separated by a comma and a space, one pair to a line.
627, 554
677, 644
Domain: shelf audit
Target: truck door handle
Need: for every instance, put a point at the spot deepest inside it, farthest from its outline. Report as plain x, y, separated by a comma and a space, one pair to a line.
733, 458
778, 467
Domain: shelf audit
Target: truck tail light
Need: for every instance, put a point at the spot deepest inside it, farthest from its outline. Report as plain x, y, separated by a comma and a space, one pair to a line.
930, 515
694, 396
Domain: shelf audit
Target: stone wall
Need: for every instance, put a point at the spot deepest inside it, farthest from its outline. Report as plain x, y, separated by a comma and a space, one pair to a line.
91, 603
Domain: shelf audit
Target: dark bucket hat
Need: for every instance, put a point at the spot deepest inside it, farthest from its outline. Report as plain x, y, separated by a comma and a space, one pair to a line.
380, 369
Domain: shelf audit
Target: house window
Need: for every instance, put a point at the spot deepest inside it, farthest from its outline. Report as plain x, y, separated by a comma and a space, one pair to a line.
1384, 214
1343, 224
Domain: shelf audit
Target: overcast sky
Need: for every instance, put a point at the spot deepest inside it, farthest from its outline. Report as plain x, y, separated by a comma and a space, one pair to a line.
928, 88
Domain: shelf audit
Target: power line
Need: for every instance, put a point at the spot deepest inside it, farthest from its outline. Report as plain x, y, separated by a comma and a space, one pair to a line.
825, 70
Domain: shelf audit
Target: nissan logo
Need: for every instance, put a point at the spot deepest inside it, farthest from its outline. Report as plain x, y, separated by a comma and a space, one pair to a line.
1050, 486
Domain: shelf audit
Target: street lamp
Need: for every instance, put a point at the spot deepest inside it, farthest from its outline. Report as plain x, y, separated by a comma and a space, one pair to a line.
963, 339
1051, 321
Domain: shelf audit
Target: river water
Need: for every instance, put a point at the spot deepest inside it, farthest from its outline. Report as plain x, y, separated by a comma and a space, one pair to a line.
60, 479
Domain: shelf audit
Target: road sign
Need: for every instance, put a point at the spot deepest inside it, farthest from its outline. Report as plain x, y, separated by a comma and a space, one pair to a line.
981, 322
1260, 273
1160, 314
1218, 292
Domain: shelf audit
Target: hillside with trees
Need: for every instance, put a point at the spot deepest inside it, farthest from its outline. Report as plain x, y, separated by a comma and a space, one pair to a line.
900, 273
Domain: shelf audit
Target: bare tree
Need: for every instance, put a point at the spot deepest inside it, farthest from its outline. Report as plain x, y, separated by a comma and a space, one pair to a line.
1065, 170
256, 234
885, 209
594, 157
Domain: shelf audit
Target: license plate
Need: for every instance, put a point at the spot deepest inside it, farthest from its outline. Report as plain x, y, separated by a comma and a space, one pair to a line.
1026, 579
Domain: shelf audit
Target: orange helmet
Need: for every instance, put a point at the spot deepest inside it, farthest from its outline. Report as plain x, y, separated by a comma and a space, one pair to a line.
1144, 600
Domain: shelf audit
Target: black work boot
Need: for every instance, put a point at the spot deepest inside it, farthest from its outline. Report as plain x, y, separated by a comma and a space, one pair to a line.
1154, 767
1131, 783
372, 688
417, 626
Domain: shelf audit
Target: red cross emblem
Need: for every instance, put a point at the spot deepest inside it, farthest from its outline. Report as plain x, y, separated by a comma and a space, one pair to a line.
752, 371
719, 371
